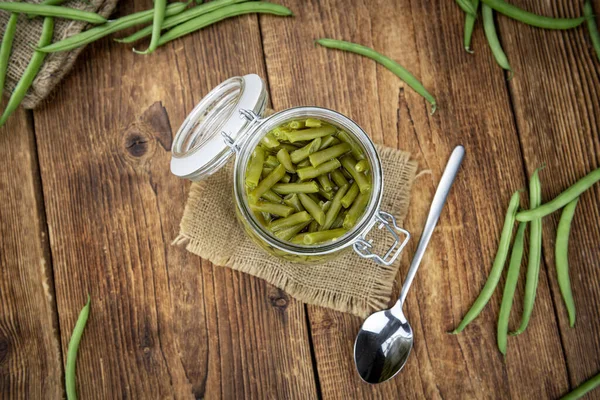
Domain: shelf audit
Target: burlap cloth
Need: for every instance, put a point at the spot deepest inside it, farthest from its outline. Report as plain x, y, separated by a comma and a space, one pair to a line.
349, 283
56, 65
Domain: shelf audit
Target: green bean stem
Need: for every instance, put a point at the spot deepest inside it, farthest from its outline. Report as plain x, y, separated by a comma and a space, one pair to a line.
561, 252
160, 7
97, 32
469, 25
390, 64
348, 162
70, 369
497, 267
272, 208
583, 389
303, 187
489, 28
6, 47
210, 18
323, 236
509, 289
562, 199
312, 207
52, 11
34, 66
292, 220
535, 254
588, 12
532, 19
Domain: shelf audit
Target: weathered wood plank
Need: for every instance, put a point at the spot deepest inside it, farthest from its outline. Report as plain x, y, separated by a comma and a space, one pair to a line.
163, 323
30, 358
475, 111
556, 97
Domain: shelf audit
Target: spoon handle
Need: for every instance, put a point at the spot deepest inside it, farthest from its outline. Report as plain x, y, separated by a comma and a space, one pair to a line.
434, 214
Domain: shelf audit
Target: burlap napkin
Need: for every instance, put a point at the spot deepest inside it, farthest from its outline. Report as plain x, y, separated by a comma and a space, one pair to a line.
56, 65
349, 283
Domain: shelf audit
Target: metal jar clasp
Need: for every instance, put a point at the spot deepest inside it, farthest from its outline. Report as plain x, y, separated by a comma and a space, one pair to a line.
253, 120
382, 219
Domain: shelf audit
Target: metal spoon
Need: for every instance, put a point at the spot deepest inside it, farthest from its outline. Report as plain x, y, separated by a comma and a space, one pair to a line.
385, 340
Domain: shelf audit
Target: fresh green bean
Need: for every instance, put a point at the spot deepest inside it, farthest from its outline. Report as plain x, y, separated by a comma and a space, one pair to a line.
498, 266
588, 12
49, 3
339, 178
323, 236
272, 208
357, 209
312, 207
562, 199
322, 156
255, 167
532, 19
312, 123
97, 32
334, 209
390, 64
157, 25
180, 18
284, 158
362, 166
469, 25
293, 200
292, 220
356, 150
70, 369
312, 172
467, 7
297, 124
489, 28
52, 11
210, 18
325, 182
269, 141
535, 254
561, 252
288, 233
583, 389
272, 197
6, 47
35, 63
509, 289
328, 141
302, 153
361, 179
348, 199
303, 187
267, 183
310, 134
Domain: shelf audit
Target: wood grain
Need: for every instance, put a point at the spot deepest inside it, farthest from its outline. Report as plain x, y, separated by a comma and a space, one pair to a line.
163, 323
30, 358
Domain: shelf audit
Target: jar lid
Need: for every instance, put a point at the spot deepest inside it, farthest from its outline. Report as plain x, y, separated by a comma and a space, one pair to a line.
212, 132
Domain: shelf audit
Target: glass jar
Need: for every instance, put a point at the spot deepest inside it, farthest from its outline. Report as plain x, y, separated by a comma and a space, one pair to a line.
230, 121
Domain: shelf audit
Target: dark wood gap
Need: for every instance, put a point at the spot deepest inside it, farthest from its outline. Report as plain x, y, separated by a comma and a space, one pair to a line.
313, 356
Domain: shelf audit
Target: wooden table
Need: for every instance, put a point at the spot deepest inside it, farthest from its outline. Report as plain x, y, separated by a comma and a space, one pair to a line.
89, 206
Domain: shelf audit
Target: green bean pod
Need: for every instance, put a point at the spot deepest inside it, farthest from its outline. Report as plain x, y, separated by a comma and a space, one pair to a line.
339, 220
561, 252
532, 19
272, 208
339, 178
302, 153
160, 7
357, 209
303, 187
34, 66
71, 367
299, 238
322, 156
325, 182
253, 172
267, 183
497, 267
312, 123
583, 389
356, 150
362, 166
562, 199
292, 220
469, 25
588, 12
348, 162
312, 207
467, 7
272, 197
348, 199
284, 158
328, 141
269, 141
293, 200
52, 11
312, 172
311, 133
297, 124
489, 28
324, 236
287, 178
6, 47
288, 233
334, 209
509, 289
325, 195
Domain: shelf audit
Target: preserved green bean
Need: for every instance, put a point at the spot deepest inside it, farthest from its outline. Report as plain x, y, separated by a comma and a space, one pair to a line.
292, 220
322, 156
303, 187
272, 208
361, 179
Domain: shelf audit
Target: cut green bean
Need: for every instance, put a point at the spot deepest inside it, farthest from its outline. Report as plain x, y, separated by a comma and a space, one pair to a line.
272, 208
292, 220
312, 207
303, 163
303, 187
356, 150
286, 178
280, 132
272, 197
266, 171
310, 134
297, 124
267, 183
6, 47
314, 226
328, 141
489, 28
288, 146
325, 205
160, 7
339, 178
509, 289
269, 141
561, 252
334, 209
97, 32
467, 7
71, 367
210, 18
469, 25
324, 236
562, 199
348, 199
322, 156
254, 170
288, 233
497, 267
52, 11
325, 182
362, 166
583, 389
272, 161
357, 209
34, 66
312, 123
390, 64
535, 254
312, 172
314, 197
284, 158
588, 12
293, 200
180, 18
348, 162
299, 238
532, 19
302, 153
325, 195
339, 220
